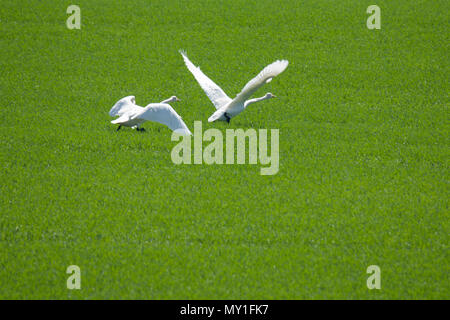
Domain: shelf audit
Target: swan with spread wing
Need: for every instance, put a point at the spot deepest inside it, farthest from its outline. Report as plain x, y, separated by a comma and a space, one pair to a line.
132, 115
228, 108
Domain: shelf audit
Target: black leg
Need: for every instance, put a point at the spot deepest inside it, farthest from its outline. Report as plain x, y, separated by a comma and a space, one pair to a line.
227, 117
142, 130
120, 126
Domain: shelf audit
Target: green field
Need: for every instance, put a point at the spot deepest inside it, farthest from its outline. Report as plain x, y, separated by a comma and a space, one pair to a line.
364, 151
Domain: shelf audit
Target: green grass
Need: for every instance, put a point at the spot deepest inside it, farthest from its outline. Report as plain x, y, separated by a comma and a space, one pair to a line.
364, 152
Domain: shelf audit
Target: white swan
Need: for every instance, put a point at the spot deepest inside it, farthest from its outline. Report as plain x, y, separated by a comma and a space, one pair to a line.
228, 108
132, 115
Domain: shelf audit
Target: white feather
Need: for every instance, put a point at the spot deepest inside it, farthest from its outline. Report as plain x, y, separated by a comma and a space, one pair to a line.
132, 115
164, 114
212, 90
226, 107
272, 70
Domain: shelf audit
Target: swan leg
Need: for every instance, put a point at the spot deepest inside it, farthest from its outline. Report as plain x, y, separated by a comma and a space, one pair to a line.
118, 128
227, 117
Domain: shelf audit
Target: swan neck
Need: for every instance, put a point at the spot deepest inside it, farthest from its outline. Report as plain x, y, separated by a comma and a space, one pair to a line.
167, 100
250, 101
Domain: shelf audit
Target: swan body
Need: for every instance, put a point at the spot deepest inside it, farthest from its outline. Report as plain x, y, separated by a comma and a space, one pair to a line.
132, 115
227, 108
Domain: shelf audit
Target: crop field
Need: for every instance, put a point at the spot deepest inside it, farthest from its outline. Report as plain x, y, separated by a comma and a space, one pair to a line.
363, 120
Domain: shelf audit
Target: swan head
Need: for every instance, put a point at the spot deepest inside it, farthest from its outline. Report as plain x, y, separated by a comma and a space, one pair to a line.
174, 99
269, 95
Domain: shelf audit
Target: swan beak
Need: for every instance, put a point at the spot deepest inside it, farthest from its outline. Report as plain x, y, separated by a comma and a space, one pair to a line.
274, 96
177, 99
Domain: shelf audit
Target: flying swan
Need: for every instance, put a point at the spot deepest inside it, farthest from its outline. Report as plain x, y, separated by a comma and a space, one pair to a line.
132, 115
228, 108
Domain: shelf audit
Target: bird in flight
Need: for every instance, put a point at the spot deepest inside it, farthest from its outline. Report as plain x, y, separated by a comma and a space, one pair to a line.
227, 108
132, 115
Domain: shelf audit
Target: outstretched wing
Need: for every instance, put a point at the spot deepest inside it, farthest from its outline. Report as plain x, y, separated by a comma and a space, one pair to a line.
212, 90
265, 76
164, 114
123, 118
124, 105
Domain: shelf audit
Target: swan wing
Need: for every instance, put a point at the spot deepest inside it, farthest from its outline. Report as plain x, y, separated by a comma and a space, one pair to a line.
122, 119
124, 105
212, 90
265, 76
164, 114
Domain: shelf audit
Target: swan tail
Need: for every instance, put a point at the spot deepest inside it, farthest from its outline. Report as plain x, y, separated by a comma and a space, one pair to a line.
216, 115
